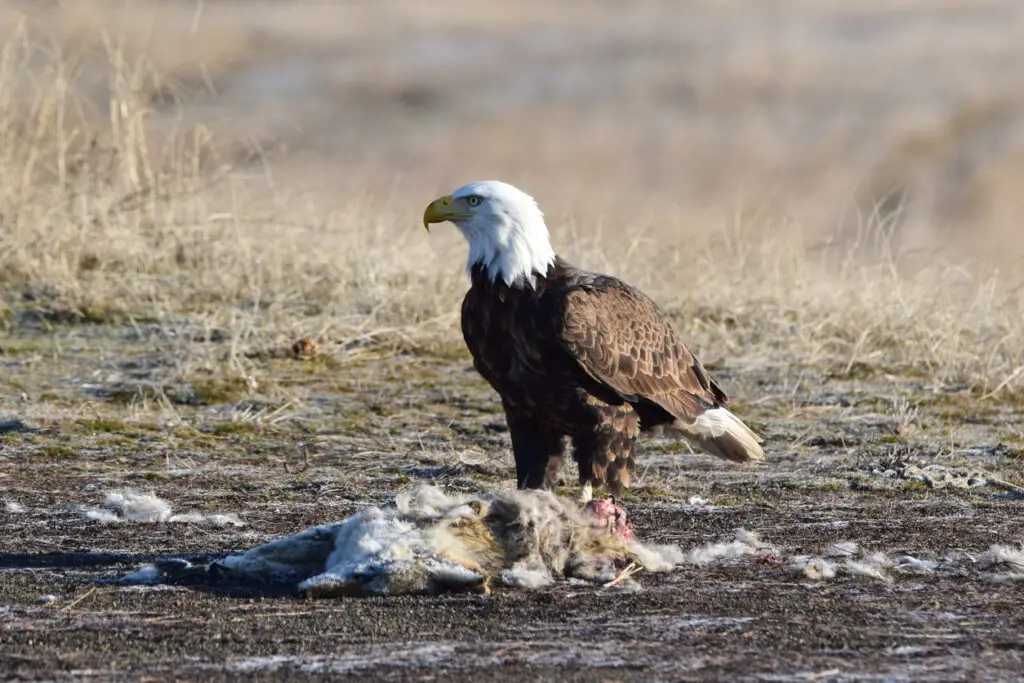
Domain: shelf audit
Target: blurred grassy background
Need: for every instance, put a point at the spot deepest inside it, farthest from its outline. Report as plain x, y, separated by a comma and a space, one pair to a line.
662, 115
784, 176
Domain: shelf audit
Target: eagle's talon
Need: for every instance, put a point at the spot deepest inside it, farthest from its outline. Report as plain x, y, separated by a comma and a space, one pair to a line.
586, 493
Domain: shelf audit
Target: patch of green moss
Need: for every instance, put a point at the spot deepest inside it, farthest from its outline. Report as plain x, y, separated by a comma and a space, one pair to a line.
439, 350
57, 452
228, 428
203, 440
911, 371
667, 447
856, 370
219, 391
126, 395
350, 418
653, 492
186, 432
19, 347
102, 425
318, 364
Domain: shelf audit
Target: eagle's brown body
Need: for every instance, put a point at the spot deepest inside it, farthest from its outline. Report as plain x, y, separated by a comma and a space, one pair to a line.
587, 356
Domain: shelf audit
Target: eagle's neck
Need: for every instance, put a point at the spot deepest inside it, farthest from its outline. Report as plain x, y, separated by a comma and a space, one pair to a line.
517, 251
541, 282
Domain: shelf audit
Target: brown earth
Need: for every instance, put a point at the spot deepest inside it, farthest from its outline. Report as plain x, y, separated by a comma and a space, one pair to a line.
365, 423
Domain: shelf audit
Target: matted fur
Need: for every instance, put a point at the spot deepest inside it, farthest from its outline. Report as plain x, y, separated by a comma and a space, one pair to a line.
431, 542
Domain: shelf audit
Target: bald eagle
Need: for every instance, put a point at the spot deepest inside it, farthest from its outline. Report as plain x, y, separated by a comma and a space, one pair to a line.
575, 354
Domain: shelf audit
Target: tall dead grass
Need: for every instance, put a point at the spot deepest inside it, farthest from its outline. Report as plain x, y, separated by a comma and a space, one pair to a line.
127, 220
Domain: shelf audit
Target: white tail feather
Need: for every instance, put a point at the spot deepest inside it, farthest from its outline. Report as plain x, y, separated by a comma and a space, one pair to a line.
720, 433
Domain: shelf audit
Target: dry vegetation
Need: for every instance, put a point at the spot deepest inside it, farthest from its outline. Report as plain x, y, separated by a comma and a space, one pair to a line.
118, 201
824, 197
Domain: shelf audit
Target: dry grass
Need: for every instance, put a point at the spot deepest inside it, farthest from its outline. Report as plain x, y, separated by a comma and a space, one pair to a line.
120, 201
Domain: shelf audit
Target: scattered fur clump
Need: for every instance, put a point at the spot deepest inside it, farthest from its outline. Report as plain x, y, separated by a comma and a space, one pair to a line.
843, 558
871, 566
1005, 563
815, 568
744, 543
430, 542
131, 506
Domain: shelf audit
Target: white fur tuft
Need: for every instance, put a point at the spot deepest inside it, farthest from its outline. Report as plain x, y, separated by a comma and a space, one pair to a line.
744, 543
132, 506
1005, 562
525, 576
814, 568
507, 235
658, 558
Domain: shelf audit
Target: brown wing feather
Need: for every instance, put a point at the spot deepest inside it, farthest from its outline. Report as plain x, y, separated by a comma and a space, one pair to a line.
622, 339
484, 347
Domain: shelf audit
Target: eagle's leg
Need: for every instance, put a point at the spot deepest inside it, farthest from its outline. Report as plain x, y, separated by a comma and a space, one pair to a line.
538, 452
606, 454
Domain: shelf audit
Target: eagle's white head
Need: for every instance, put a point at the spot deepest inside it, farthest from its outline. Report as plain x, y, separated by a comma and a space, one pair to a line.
503, 226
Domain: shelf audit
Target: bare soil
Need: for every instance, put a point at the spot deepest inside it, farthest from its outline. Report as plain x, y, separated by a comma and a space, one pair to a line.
352, 426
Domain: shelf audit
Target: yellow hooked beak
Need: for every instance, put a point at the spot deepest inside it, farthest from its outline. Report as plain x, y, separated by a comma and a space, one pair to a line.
440, 210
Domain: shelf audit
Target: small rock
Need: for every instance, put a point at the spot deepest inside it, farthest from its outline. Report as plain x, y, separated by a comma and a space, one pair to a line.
305, 348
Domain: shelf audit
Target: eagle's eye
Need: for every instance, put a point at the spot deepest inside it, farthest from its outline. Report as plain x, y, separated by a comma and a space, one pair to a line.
474, 200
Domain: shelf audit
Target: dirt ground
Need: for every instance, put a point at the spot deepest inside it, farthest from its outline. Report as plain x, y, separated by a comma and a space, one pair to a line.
845, 459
